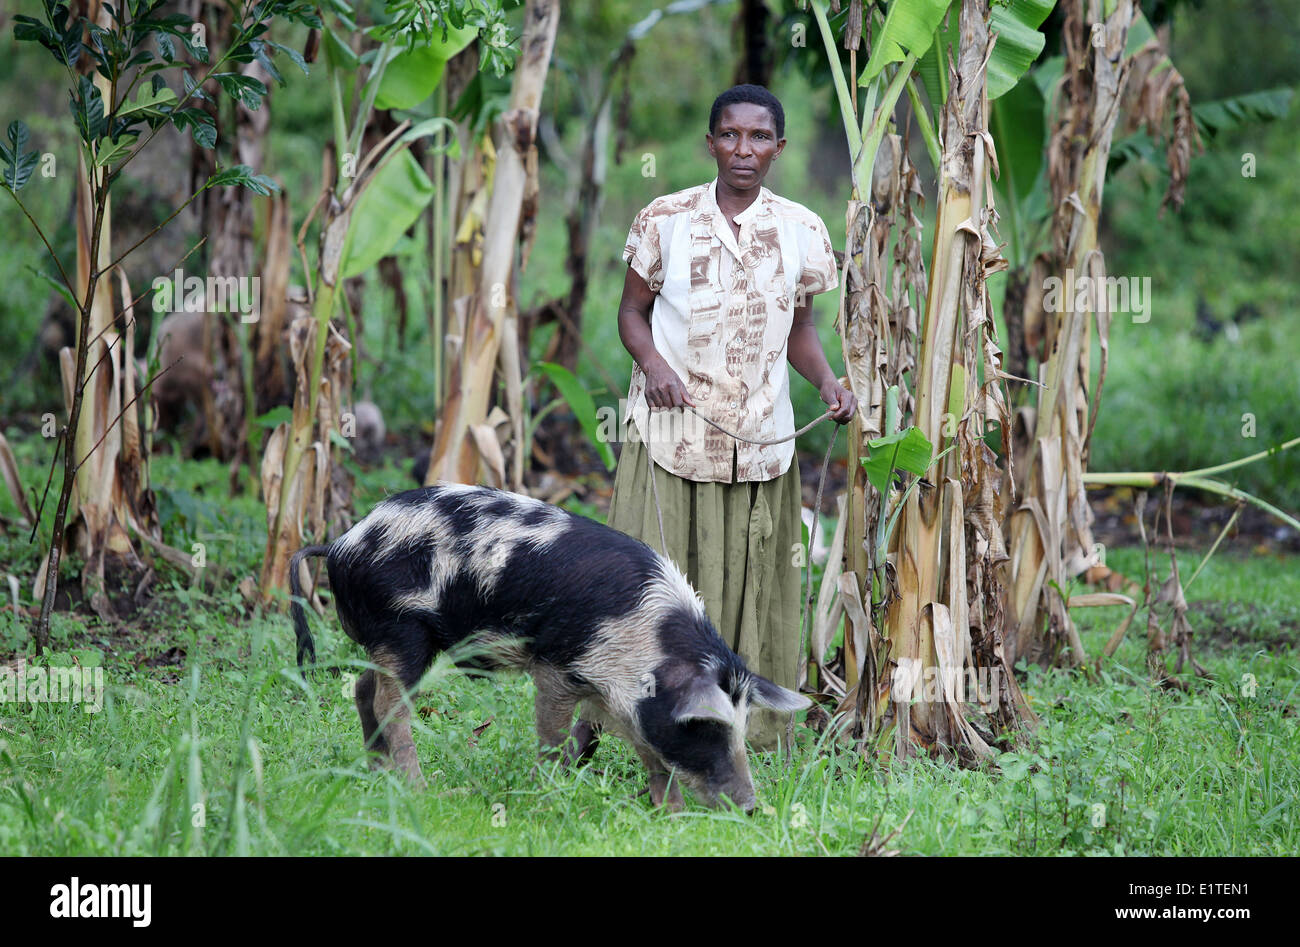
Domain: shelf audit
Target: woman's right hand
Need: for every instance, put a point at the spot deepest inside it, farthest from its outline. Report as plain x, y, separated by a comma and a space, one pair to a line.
663, 389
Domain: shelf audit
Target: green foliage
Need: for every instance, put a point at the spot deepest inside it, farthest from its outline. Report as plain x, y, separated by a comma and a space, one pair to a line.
391, 203
484, 98
1176, 395
1213, 118
18, 165
339, 53
909, 28
1238, 399
140, 44
244, 89
440, 25
582, 405
1017, 123
109, 131
1018, 46
907, 450
413, 75
1018, 43
243, 175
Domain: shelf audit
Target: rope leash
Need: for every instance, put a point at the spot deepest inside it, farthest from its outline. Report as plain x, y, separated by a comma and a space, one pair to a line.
804, 631
779, 440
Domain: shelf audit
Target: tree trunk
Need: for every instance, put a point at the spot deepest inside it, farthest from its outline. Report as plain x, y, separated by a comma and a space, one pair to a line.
753, 22
299, 480
271, 379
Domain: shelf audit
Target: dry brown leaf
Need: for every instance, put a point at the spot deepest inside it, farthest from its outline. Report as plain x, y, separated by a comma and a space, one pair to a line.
489, 450
9, 470
478, 732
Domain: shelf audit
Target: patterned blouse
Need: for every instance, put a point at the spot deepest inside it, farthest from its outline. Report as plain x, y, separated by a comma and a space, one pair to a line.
721, 320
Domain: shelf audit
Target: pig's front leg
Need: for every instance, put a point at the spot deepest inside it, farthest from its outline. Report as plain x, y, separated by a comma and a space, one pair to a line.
584, 737
665, 788
554, 708
666, 791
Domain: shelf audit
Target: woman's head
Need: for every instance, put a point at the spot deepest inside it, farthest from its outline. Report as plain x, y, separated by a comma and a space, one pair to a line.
746, 131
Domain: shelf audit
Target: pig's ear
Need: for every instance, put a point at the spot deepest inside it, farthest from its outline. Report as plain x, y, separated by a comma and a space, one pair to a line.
766, 694
704, 700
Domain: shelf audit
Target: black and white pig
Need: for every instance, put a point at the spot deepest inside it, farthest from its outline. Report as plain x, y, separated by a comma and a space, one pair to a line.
590, 613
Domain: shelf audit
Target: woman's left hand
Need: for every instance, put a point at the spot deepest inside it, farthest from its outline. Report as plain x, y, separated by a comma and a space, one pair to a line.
840, 400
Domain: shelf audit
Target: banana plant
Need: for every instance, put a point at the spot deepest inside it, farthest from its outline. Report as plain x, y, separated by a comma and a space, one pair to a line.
938, 608
1114, 78
490, 335
368, 200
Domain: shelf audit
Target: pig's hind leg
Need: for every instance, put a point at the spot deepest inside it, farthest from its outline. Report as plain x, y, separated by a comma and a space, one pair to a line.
365, 700
392, 713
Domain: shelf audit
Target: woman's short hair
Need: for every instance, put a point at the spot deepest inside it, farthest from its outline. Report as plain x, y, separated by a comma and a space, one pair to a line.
754, 94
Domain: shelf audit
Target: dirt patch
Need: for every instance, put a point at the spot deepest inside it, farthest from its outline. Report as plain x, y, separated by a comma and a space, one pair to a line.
1197, 521
145, 640
1232, 626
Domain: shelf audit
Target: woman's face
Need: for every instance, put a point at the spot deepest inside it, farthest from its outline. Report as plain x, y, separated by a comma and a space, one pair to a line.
744, 143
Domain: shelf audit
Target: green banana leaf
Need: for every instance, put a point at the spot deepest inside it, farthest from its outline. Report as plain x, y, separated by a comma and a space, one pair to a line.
390, 204
581, 404
1018, 42
413, 75
1018, 125
1222, 115
908, 28
1018, 45
907, 449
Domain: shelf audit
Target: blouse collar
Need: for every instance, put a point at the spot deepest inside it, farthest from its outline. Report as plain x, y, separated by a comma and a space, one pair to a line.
720, 226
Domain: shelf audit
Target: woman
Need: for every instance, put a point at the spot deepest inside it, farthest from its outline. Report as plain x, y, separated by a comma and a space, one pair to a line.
716, 300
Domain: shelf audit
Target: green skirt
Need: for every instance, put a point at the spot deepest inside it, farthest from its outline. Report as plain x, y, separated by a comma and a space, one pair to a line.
740, 546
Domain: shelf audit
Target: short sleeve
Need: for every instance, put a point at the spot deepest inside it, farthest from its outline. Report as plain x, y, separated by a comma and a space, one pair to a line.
819, 272
642, 251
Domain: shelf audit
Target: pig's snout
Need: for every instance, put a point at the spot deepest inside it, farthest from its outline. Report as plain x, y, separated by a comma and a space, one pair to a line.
746, 804
740, 795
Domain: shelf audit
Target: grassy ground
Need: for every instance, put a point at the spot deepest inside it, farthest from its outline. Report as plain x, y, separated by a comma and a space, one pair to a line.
204, 708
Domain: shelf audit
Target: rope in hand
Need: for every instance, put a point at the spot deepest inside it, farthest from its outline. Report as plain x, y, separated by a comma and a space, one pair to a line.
804, 631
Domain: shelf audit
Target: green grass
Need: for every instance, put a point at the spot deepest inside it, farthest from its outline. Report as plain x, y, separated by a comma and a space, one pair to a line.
276, 762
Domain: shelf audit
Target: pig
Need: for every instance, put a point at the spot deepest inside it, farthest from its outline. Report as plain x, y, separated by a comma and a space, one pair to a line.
590, 613
367, 425
180, 345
